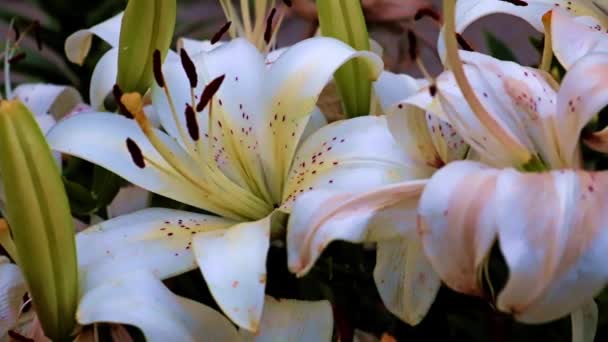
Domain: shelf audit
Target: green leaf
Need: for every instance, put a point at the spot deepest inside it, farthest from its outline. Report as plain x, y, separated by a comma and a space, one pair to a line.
498, 49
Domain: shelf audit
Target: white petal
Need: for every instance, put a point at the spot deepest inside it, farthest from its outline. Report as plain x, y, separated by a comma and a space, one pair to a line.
129, 199
583, 93
317, 120
351, 155
233, 263
78, 44
584, 323
320, 217
293, 320
194, 47
456, 196
141, 300
156, 240
293, 86
12, 290
574, 38
101, 139
103, 78
48, 99
405, 279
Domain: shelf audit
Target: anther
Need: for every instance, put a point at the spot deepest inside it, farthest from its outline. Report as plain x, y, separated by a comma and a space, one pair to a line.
268, 31
117, 93
136, 155
413, 45
433, 90
192, 123
218, 35
516, 2
157, 68
209, 91
189, 68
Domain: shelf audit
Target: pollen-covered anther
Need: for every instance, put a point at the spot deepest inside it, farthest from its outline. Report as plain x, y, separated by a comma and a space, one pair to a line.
189, 68
157, 68
218, 35
209, 91
192, 123
136, 154
268, 31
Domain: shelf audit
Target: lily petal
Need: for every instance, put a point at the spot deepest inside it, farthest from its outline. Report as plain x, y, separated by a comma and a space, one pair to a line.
48, 99
352, 155
156, 240
141, 300
12, 290
103, 78
128, 200
583, 93
101, 139
295, 82
451, 203
584, 323
293, 320
405, 279
233, 263
194, 47
574, 38
78, 44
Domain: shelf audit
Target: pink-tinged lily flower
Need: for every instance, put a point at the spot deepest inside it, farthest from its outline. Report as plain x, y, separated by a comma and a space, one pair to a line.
548, 222
232, 127
387, 215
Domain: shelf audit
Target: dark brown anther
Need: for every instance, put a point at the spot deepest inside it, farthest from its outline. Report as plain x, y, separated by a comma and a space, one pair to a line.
189, 68
209, 92
192, 123
516, 2
268, 31
463, 43
157, 67
117, 94
218, 35
136, 155
16, 58
287, 3
427, 12
433, 90
36, 28
413, 45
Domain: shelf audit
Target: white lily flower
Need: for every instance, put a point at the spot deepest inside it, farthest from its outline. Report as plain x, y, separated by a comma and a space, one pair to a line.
236, 158
12, 290
548, 223
386, 215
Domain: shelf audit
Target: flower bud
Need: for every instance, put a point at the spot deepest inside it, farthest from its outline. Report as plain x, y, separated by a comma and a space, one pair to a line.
38, 213
344, 20
147, 25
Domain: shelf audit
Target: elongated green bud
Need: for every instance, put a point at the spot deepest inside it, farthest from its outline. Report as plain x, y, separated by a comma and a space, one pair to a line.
344, 20
147, 25
38, 213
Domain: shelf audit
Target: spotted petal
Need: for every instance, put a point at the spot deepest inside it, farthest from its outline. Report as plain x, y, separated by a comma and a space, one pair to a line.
233, 263
78, 44
156, 240
141, 300
548, 226
583, 93
574, 38
352, 155
293, 320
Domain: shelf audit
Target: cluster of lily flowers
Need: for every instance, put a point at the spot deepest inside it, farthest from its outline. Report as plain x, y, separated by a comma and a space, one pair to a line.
488, 153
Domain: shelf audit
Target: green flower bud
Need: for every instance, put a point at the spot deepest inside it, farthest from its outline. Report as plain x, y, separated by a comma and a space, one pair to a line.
147, 25
38, 213
344, 20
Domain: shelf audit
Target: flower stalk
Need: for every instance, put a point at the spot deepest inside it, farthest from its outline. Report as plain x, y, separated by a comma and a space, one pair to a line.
38, 213
344, 20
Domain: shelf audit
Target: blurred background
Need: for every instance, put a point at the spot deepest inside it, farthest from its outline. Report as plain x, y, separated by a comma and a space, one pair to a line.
388, 20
